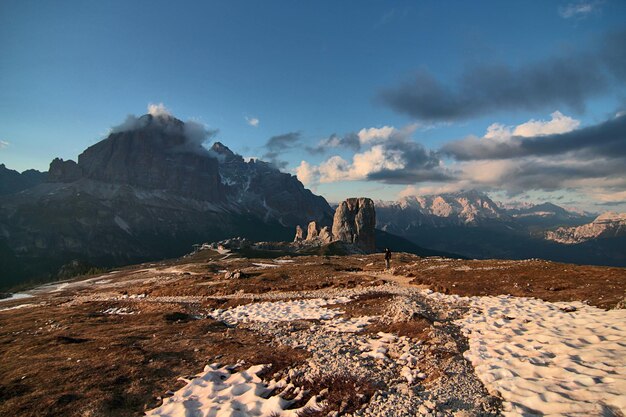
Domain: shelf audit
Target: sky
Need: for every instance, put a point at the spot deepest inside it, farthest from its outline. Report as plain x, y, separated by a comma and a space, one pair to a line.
524, 100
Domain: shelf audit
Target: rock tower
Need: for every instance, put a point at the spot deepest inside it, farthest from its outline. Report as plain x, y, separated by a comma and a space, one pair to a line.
354, 222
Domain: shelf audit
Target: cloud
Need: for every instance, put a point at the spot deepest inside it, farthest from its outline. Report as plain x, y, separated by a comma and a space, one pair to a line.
543, 155
558, 124
4, 144
307, 174
350, 141
552, 154
195, 133
390, 156
158, 110
578, 10
252, 121
363, 138
277, 145
606, 139
565, 80
374, 134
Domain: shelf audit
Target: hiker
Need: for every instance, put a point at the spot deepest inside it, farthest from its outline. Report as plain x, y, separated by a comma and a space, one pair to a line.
387, 258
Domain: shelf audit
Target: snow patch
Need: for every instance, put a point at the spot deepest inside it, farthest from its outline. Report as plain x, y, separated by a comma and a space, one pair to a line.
122, 224
119, 311
262, 265
307, 309
378, 348
352, 325
16, 296
219, 392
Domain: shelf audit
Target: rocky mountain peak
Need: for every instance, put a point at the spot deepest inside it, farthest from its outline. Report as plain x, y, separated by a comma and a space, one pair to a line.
606, 225
463, 207
155, 152
224, 154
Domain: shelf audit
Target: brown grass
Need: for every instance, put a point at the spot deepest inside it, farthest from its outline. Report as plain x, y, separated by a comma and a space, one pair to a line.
86, 363
601, 286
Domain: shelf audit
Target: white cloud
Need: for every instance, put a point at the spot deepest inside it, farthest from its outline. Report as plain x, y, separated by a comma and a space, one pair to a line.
376, 134
579, 9
252, 121
334, 169
363, 164
559, 123
373, 135
499, 132
375, 160
307, 174
158, 110
4, 144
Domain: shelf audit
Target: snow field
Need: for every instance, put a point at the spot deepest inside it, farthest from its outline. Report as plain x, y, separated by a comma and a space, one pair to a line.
543, 358
218, 391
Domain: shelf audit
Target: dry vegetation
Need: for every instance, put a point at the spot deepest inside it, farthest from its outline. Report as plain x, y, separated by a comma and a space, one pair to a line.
603, 287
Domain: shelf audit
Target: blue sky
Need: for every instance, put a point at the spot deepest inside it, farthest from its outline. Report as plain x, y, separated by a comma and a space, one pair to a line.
71, 70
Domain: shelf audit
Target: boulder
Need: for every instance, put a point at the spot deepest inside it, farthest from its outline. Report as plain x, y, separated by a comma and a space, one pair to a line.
236, 274
354, 222
299, 234
311, 232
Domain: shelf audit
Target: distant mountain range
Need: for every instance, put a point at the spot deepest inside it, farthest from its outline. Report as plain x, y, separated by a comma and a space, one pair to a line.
471, 224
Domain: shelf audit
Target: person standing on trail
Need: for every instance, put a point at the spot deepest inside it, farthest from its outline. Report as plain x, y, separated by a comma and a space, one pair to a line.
387, 258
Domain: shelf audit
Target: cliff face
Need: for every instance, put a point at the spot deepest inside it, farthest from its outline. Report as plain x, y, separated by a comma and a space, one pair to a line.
158, 155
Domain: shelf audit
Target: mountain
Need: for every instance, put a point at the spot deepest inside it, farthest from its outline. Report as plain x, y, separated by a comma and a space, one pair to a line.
606, 226
147, 192
466, 209
472, 225
545, 215
12, 181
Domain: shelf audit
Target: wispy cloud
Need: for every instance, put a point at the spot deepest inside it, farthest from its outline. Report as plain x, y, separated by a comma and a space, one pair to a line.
580, 9
566, 80
277, 145
363, 138
4, 144
252, 121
